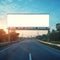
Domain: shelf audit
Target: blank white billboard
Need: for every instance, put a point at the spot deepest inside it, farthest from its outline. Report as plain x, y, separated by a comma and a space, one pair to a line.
28, 20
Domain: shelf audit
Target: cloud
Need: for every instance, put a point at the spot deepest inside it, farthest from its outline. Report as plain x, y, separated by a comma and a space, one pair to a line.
3, 21
8, 1
4, 8
14, 6
1, 17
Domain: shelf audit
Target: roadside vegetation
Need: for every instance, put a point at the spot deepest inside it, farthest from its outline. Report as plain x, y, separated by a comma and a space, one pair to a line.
53, 38
8, 38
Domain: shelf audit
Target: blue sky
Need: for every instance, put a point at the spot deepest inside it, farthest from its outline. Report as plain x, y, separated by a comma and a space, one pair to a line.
52, 7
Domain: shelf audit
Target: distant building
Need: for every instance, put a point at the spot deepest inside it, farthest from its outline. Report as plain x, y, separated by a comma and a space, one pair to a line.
58, 26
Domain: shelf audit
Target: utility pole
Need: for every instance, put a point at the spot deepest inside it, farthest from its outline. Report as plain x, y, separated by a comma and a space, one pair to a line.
48, 34
9, 35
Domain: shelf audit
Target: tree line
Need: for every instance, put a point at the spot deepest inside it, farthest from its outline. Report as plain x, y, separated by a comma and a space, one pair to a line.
4, 37
54, 35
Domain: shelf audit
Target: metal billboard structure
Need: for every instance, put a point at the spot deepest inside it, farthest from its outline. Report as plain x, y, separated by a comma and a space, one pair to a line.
28, 21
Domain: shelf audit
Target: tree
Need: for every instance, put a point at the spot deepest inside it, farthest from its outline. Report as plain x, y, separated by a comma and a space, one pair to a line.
44, 37
13, 36
58, 27
54, 36
3, 36
39, 37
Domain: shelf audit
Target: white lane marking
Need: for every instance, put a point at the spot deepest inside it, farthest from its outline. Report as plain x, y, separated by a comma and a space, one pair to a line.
4, 49
11, 46
30, 57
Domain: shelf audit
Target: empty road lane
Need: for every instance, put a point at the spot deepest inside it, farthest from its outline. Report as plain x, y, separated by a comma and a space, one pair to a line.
29, 49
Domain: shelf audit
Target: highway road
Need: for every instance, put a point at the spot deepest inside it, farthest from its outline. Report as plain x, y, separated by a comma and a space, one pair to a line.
29, 49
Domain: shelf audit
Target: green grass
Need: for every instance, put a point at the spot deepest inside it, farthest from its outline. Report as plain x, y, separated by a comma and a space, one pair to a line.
56, 42
53, 46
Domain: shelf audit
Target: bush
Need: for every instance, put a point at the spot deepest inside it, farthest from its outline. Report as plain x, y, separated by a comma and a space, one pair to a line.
3, 36
13, 36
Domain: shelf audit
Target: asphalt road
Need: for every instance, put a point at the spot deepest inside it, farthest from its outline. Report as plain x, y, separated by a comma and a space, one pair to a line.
29, 49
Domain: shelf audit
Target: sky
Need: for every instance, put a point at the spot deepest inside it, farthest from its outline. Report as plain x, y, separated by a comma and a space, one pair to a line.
51, 7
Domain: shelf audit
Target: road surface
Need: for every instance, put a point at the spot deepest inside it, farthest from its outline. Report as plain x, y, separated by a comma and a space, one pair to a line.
29, 49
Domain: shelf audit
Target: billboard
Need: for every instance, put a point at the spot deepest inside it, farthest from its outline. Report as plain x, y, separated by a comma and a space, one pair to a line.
28, 20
